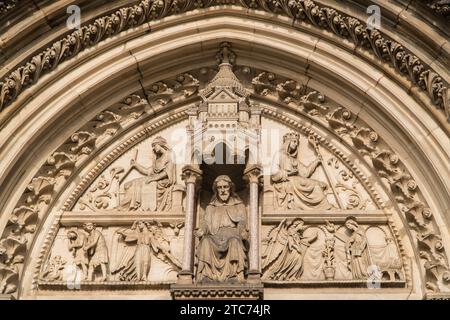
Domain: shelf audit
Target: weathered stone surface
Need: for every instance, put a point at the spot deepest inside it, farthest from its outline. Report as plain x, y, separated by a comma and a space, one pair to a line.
252, 159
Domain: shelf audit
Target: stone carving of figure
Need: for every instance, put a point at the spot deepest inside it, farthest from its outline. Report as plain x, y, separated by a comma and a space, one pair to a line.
356, 249
291, 180
142, 236
221, 253
77, 241
133, 262
96, 250
154, 191
283, 257
54, 270
389, 261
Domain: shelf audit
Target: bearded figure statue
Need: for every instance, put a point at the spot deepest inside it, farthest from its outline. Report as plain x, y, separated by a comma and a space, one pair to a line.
221, 252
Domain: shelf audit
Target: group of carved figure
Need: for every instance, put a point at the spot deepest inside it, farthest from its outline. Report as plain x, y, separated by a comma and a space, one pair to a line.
221, 253
291, 180
286, 256
131, 255
89, 250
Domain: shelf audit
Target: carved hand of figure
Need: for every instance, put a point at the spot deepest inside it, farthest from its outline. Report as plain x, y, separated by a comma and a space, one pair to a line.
331, 228
244, 234
199, 232
293, 173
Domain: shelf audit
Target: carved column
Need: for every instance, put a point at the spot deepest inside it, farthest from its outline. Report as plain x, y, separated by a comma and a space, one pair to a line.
192, 177
252, 175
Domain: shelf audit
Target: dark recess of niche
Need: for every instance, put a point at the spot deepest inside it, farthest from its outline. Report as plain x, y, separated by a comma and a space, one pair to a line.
225, 163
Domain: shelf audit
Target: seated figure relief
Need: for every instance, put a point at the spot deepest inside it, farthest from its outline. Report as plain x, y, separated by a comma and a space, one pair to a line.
292, 182
221, 253
153, 192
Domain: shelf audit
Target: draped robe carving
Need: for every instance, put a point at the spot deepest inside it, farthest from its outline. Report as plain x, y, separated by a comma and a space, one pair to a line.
356, 249
284, 255
291, 180
221, 252
154, 191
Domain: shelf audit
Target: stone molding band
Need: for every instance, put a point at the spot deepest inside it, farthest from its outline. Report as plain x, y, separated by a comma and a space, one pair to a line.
307, 11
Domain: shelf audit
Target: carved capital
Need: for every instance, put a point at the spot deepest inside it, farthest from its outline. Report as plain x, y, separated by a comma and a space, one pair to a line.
253, 174
191, 174
256, 109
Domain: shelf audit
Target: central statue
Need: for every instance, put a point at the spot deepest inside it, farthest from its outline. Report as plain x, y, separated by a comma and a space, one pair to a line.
221, 253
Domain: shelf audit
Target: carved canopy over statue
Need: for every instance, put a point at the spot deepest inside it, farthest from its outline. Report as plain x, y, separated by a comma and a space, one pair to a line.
154, 191
221, 252
291, 180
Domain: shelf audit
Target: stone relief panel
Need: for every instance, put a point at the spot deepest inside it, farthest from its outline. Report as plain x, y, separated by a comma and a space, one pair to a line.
302, 175
144, 179
344, 251
86, 254
306, 177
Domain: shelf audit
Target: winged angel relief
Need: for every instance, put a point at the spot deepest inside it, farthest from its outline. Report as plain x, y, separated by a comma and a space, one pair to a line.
134, 248
286, 246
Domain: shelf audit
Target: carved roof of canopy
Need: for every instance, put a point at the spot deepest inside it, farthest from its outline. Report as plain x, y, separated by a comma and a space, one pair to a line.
225, 77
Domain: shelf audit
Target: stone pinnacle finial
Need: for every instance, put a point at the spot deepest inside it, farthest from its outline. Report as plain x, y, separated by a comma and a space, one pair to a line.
225, 77
225, 54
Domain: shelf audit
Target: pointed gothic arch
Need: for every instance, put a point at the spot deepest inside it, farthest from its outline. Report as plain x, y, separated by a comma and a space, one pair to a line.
88, 112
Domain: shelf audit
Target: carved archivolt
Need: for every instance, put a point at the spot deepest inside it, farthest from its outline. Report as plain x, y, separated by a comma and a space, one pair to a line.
268, 89
440, 7
308, 11
7, 5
